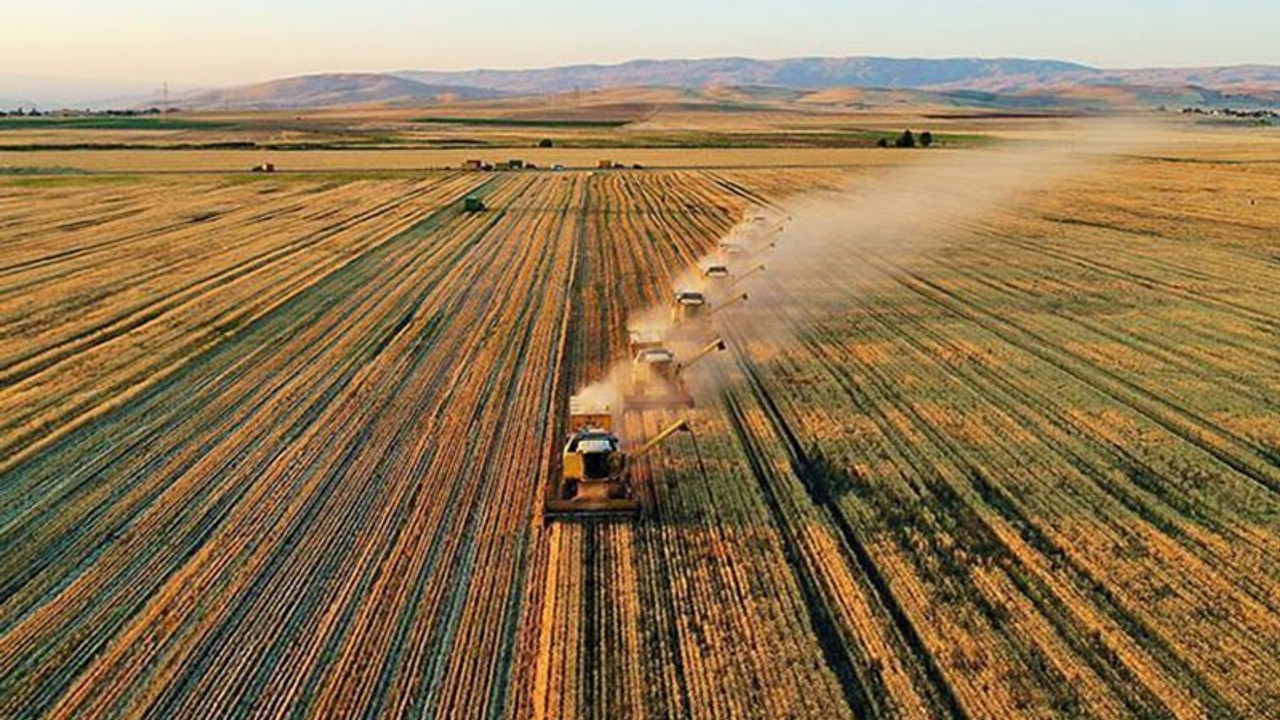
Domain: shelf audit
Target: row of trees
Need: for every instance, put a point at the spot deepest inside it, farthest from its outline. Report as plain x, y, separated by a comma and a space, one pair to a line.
36, 112
908, 139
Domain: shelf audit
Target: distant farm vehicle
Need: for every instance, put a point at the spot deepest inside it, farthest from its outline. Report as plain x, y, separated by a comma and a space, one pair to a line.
689, 307
265, 167
473, 204
717, 272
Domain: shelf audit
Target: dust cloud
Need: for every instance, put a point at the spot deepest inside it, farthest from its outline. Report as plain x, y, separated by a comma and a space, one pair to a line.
822, 250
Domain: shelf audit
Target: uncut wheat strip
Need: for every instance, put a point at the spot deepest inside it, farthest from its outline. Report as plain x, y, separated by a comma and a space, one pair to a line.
526, 400
709, 641
1077, 419
380, 237
1146, 334
51, 252
183, 265
726, 502
973, 622
692, 590
901, 652
139, 266
804, 520
415, 373
481, 300
258, 349
837, 575
867, 623
1090, 504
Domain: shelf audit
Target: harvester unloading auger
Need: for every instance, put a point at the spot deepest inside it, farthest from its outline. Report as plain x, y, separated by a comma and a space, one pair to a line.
595, 482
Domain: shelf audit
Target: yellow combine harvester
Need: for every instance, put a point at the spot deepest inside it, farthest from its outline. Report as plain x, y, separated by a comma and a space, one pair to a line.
657, 379
594, 481
692, 309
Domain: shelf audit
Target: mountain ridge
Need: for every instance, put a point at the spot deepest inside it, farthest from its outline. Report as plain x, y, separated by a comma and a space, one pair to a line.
1247, 84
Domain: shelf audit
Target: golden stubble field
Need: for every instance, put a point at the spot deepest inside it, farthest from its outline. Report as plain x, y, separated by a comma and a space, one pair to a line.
276, 449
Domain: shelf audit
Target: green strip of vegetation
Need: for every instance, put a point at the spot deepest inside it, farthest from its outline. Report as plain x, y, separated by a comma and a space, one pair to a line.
33, 170
148, 122
66, 180
521, 122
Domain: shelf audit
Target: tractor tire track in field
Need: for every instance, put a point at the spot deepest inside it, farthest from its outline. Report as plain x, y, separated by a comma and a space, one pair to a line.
807, 470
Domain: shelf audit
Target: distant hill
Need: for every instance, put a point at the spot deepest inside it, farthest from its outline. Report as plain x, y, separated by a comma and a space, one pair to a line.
54, 92
798, 73
325, 90
994, 83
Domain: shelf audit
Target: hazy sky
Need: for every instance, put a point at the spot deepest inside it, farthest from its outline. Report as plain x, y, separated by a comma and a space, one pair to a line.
220, 41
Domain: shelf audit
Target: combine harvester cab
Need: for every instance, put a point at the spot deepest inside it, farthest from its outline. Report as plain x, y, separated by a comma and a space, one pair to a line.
717, 276
690, 308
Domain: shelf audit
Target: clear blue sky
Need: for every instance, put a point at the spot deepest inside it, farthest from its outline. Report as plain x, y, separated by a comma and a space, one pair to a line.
222, 41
